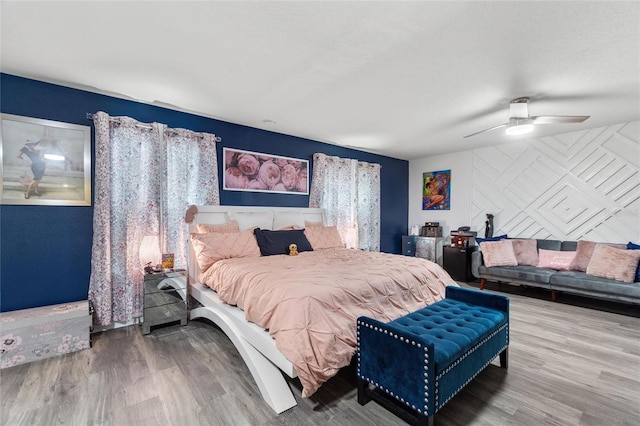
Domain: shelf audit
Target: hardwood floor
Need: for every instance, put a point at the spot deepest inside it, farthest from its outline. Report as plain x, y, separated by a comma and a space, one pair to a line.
568, 365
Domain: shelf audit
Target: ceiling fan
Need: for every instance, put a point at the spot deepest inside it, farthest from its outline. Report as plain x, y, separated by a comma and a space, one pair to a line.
520, 122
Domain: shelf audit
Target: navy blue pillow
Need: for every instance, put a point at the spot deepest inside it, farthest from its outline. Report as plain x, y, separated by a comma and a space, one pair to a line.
632, 246
277, 242
496, 238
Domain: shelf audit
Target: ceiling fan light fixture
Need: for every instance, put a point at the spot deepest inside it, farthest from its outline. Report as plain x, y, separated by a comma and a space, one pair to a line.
519, 126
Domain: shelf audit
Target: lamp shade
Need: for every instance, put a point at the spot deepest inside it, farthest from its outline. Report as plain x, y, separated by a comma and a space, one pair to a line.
150, 250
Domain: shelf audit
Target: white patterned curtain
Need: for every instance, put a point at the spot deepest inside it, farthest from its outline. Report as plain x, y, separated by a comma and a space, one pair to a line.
142, 179
368, 205
349, 191
191, 178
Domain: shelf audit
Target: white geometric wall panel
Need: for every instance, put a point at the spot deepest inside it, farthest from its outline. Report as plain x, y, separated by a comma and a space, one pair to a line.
579, 185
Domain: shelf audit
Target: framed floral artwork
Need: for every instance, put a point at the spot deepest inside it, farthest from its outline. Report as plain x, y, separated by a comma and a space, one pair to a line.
252, 171
44, 162
436, 190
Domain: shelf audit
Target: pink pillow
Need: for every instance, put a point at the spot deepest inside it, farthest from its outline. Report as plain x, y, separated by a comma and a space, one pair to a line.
613, 263
555, 259
231, 226
498, 253
211, 247
526, 252
322, 237
308, 224
584, 250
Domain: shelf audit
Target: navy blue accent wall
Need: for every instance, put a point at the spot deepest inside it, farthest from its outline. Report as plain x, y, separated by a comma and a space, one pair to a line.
45, 251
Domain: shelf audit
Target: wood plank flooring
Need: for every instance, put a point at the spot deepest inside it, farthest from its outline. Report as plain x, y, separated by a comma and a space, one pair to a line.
568, 365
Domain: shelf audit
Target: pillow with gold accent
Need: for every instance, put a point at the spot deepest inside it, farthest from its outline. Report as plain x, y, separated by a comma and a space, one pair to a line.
277, 242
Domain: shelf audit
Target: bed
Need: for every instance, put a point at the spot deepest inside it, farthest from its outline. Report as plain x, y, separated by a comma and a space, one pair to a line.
295, 314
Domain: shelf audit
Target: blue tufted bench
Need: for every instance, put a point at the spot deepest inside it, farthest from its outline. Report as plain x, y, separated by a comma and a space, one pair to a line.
418, 362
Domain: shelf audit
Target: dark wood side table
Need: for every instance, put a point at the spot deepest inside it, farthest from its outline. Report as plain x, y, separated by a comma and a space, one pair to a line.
457, 262
164, 299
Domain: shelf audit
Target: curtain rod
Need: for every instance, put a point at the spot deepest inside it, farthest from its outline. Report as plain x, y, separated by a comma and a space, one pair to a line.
146, 126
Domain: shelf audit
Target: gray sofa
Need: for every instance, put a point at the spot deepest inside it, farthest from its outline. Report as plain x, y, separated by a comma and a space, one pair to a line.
556, 281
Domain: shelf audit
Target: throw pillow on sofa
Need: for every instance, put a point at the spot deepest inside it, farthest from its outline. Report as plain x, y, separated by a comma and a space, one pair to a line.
584, 251
613, 263
498, 253
491, 239
555, 259
526, 251
632, 246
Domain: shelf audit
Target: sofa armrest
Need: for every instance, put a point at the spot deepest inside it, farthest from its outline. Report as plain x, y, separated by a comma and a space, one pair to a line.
476, 262
479, 298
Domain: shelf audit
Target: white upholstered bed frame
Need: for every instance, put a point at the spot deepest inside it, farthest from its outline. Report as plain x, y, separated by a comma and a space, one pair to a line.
257, 348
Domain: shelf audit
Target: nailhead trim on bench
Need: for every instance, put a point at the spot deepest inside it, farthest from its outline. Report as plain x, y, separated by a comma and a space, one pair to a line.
426, 361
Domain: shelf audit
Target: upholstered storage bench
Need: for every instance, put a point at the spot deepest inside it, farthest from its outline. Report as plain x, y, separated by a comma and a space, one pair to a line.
32, 334
418, 362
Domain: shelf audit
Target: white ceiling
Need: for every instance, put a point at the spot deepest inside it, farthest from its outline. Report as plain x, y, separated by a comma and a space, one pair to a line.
404, 79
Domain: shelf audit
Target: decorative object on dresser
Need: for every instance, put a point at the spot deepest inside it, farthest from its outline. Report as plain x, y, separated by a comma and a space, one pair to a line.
488, 226
463, 237
149, 253
429, 248
431, 229
164, 299
38, 333
456, 260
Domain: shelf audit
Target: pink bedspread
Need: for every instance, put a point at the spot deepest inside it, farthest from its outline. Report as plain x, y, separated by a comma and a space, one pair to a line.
310, 302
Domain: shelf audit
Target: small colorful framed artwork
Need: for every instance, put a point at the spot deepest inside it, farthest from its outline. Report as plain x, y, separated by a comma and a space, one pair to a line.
436, 190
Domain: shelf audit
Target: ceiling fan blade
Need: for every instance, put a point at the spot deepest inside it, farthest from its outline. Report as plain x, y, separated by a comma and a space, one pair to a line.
557, 119
487, 130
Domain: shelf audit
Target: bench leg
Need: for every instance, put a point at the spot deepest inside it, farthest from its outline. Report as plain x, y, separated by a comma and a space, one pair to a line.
363, 392
504, 358
554, 295
366, 394
483, 281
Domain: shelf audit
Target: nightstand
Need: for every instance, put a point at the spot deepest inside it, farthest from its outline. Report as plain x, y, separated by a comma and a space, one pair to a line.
457, 262
429, 248
164, 299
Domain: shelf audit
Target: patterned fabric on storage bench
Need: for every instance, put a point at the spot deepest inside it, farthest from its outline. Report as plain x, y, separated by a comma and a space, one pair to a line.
32, 334
424, 358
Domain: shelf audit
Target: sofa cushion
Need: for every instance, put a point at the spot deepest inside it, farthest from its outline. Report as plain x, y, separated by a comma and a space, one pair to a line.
583, 283
518, 274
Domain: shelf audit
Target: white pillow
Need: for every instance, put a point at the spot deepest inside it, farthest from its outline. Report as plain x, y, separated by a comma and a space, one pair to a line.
248, 220
291, 220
